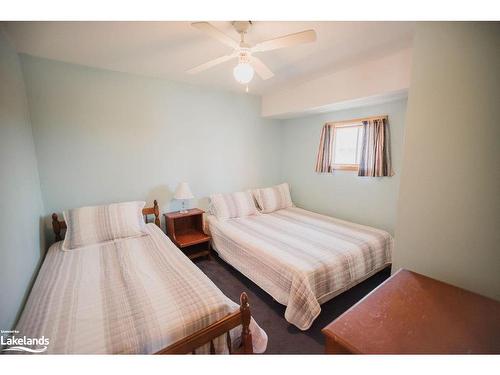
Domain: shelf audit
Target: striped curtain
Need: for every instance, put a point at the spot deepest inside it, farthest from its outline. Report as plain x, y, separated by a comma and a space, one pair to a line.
375, 153
324, 158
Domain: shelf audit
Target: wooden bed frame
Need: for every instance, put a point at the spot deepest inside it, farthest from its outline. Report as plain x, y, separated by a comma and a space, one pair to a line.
204, 336
189, 344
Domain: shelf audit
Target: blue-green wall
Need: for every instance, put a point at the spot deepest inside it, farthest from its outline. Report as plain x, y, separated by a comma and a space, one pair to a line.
105, 136
21, 207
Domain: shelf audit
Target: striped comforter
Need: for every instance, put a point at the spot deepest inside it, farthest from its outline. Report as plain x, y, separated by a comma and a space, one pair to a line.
301, 258
136, 295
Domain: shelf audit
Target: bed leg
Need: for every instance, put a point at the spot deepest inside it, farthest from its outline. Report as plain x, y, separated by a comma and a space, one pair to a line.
246, 334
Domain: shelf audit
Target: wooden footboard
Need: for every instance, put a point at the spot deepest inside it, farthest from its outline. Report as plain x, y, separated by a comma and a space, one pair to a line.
241, 317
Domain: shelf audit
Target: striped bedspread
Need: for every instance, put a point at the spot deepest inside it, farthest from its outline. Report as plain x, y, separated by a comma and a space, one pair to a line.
301, 258
136, 295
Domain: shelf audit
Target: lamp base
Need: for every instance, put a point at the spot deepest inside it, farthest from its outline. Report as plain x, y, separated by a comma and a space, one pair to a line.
184, 210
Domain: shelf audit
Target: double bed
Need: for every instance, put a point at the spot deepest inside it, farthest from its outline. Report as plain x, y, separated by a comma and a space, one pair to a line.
301, 258
134, 295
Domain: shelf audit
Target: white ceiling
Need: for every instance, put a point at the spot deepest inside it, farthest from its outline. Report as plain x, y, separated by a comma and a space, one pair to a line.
167, 49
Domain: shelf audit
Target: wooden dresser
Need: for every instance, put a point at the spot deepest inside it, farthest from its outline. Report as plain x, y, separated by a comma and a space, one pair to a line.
413, 314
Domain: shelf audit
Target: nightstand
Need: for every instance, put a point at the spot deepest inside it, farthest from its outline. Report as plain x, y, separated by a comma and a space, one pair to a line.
186, 231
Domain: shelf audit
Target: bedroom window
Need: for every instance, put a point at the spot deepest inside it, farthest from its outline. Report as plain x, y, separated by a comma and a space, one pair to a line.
347, 145
361, 145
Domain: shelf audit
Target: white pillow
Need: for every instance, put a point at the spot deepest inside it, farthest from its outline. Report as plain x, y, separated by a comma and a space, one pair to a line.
273, 198
97, 224
233, 205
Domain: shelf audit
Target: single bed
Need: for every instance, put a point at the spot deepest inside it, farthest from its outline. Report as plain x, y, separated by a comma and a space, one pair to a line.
135, 295
301, 258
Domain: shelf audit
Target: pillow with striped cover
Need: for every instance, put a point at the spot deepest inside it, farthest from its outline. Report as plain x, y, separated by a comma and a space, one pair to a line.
273, 198
232, 205
97, 224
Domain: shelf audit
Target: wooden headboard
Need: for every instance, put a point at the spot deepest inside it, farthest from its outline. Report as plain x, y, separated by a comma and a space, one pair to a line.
58, 226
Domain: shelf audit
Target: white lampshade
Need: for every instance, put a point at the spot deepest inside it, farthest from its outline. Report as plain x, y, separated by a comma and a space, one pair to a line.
183, 191
243, 72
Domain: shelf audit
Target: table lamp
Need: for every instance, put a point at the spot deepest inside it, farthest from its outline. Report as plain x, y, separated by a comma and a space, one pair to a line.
183, 193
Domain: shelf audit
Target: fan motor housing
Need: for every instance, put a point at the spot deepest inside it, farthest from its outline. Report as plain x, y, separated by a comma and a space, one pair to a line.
242, 26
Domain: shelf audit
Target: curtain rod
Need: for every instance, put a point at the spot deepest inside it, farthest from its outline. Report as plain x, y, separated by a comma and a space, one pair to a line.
357, 119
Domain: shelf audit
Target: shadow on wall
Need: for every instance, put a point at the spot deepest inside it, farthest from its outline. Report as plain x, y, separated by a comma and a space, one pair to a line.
48, 232
42, 236
43, 250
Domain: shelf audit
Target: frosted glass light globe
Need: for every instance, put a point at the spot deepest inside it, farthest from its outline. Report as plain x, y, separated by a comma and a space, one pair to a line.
243, 73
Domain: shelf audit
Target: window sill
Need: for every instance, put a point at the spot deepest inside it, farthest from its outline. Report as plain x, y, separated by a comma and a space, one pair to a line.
346, 167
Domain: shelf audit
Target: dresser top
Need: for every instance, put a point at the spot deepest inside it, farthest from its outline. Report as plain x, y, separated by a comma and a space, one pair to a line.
412, 313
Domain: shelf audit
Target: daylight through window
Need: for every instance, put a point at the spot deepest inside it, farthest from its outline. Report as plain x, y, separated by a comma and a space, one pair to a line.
347, 145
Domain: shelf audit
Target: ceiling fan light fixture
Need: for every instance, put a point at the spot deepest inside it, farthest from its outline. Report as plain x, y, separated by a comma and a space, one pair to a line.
243, 73
248, 65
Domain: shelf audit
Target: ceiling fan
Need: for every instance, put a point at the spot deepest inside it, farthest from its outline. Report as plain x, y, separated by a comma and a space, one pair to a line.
244, 52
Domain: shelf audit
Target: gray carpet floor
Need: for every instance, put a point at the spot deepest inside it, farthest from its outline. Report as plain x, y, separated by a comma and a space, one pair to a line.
284, 338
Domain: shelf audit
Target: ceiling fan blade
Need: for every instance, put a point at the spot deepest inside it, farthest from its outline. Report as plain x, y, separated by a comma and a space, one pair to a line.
215, 33
260, 68
210, 64
289, 40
